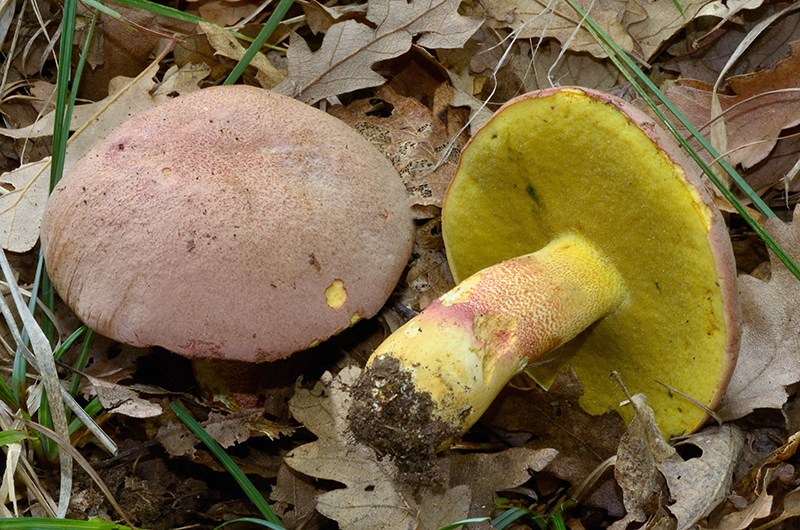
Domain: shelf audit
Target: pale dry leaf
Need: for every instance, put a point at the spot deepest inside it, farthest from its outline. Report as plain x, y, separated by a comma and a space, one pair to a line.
768, 360
124, 400
350, 49
699, 485
641, 449
225, 44
556, 19
726, 9
375, 497
182, 80
370, 499
22, 204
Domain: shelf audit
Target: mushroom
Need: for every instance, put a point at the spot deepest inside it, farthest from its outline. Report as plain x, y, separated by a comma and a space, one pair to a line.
232, 224
578, 238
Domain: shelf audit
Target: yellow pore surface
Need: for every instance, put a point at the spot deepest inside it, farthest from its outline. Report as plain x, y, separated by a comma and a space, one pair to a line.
570, 164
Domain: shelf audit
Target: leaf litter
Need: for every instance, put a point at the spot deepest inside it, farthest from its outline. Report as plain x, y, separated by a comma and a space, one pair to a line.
354, 60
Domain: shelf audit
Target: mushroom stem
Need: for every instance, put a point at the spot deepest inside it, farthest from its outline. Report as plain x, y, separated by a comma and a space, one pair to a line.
436, 375
235, 384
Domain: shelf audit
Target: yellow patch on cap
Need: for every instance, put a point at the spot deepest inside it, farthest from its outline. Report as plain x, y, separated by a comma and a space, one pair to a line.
336, 294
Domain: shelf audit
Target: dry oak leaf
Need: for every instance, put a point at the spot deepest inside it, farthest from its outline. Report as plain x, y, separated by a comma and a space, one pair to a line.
556, 19
373, 496
350, 49
768, 357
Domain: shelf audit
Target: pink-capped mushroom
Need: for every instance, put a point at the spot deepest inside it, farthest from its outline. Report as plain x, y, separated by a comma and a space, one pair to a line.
232, 224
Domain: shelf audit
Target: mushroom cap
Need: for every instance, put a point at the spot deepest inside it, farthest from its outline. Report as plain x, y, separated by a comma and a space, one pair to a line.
231, 222
577, 161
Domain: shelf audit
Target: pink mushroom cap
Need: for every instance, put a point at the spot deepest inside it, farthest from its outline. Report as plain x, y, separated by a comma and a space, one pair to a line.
230, 223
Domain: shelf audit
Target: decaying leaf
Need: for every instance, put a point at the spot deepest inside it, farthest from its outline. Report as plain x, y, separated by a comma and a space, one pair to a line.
768, 360
374, 497
350, 49
412, 138
699, 484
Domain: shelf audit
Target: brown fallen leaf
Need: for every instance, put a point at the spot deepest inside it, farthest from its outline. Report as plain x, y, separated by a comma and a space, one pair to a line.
555, 419
226, 44
768, 360
349, 50
232, 428
703, 53
295, 495
752, 114
374, 496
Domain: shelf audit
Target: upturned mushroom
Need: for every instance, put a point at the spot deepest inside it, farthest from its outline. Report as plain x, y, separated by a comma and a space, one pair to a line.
232, 224
579, 238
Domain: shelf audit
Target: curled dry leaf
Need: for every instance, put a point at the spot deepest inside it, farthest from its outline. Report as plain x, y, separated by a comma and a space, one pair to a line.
374, 496
350, 49
768, 360
121, 399
641, 449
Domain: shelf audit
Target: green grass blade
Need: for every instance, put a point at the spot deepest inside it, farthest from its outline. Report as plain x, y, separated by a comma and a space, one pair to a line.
508, 517
80, 363
241, 479
459, 524
11, 436
93, 408
265, 33
43, 523
626, 65
259, 522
